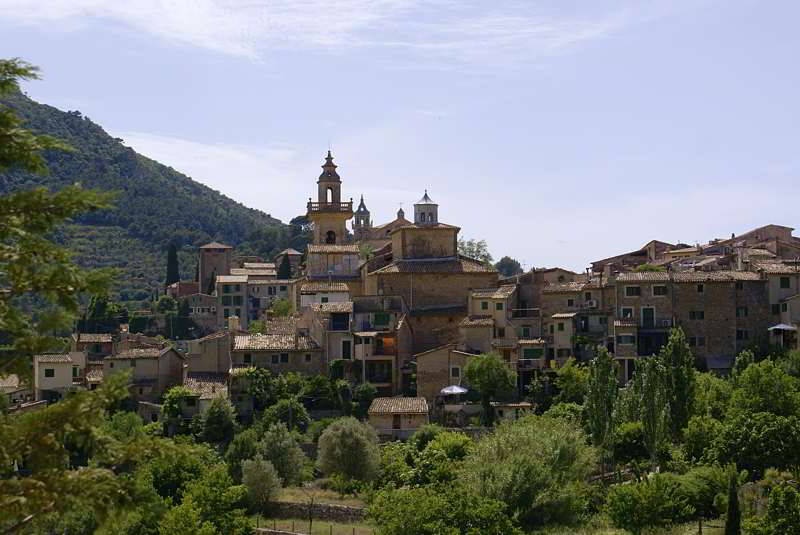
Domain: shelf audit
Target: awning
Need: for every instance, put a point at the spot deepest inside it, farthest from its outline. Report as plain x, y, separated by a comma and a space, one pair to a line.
452, 390
367, 334
782, 327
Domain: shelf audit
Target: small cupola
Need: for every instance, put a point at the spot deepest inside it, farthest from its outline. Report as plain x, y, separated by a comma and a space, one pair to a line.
426, 212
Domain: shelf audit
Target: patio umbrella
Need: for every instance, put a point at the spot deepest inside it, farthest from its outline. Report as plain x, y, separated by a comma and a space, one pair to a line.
452, 390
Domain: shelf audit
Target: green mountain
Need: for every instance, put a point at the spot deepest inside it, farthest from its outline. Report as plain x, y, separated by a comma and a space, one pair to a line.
155, 205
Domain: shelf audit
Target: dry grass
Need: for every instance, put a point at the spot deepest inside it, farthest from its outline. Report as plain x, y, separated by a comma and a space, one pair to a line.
319, 527
302, 495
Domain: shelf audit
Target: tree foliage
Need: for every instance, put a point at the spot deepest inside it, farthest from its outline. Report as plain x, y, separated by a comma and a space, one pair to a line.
262, 482
508, 267
601, 396
678, 361
490, 376
350, 449
475, 249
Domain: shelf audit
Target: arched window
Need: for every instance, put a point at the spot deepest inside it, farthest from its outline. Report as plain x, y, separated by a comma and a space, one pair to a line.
422, 217
330, 237
329, 195
430, 217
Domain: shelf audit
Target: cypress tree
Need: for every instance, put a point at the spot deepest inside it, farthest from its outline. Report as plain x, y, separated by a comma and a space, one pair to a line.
173, 274
733, 518
285, 269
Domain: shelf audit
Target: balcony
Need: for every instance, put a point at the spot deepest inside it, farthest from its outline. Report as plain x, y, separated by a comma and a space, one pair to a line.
525, 313
330, 207
531, 364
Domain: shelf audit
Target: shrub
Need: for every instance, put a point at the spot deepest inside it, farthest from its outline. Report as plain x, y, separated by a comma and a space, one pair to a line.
765, 387
396, 464
316, 429
219, 422
628, 443
654, 502
537, 466
244, 446
699, 435
755, 442
569, 411
349, 448
262, 482
419, 440
429, 511
280, 448
288, 411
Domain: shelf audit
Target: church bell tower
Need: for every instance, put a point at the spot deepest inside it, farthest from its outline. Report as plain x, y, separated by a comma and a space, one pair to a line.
329, 214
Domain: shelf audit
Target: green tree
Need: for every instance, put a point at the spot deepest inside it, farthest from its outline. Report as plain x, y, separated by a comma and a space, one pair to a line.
363, 395
713, 395
572, 382
492, 378
173, 271
783, 511
424, 435
602, 390
349, 449
677, 358
244, 446
166, 304
628, 444
260, 387
743, 360
651, 383
288, 411
652, 503
758, 441
733, 517
185, 519
279, 447
644, 268
699, 436
508, 267
765, 387
281, 308
475, 249
219, 422
262, 482
220, 502
548, 486
285, 269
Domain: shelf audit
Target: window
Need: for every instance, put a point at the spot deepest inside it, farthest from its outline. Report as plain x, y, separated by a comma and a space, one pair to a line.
570, 303
633, 291
627, 312
525, 332
275, 359
742, 334
532, 353
692, 341
455, 372
237, 288
501, 332
603, 320
381, 318
141, 391
323, 299
226, 288
237, 300
110, 364
74, 371
659, 291
133, 363
238, 312
191, 402
284, 358
626, 339
283, 288
739, 285
701, 341
587, 296
271, 290
784, 307
484, 305
560, 326
701, 288
308, 357
367, 341
498, 306
49, 372
786, 282
552, 328
741, 312
248, 358
776, 309
226, 300
697, 314
226, 313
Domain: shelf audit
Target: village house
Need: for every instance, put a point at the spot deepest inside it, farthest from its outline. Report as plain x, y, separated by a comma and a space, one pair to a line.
398, 417
279, 353
153, 371
95, 345
55, 374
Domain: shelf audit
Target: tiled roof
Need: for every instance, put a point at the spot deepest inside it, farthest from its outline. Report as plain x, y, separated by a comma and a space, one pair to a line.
253, 272
564, 315
435, 226
9, 382
94, 374
477, 321
290, 252
715, 276
345, 306
258, 265
398, 406
287, 325
644, 276
563, 287
313, 287
215, 245
504, 343
445, 265
626, 322
92, 338
334, 249
139, 353
207, 385
271, 282
214, 336
232, 279
502, 292
53, 358
777, 268
274, 342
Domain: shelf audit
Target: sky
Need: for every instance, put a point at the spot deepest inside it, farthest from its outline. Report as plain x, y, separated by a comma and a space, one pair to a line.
560, 132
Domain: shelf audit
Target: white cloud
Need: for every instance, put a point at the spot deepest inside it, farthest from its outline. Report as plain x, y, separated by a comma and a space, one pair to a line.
433, 31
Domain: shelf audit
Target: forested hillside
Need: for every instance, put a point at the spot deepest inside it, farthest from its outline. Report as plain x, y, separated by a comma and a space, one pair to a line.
155, 205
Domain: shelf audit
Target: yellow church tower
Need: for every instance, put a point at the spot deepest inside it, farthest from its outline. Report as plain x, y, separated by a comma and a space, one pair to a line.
329, 215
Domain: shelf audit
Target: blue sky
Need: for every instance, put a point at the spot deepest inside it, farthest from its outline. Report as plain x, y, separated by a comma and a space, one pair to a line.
559, 131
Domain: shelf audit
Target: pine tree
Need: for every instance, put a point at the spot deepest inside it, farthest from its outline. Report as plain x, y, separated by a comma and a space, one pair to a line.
285, 269
173, 273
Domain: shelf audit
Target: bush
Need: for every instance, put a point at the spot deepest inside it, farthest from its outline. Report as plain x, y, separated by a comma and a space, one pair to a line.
243, 447
350, 449
765, 387
755, 442
783, 514
219, 422
316, 429
288, 411
419, 440
262, 482
628, 443
363, 395
429, 511
654, 502
396, 464
538, 466
569, 411
699, 435
280, 448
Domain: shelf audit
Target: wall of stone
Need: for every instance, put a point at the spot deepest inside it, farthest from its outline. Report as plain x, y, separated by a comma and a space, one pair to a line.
319, 511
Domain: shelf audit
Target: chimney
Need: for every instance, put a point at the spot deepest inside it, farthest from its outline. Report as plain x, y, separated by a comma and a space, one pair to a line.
233, 323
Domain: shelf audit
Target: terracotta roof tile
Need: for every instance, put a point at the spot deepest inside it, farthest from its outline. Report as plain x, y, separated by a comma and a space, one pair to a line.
95, 338
477, 321
10, 381
344, 306
54, 358
532, 342
502, 292
215, 245
274, 342
777, 268
564, 315
207, 385
314, 287
444, 265
398, 405
563, 287
232, 279
334, 249
139, 353
644, 276
715, 276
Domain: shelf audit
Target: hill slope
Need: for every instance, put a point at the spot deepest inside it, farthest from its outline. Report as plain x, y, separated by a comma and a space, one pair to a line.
155, 205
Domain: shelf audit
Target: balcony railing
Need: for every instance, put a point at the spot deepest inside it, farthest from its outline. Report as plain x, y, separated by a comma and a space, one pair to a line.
345, 207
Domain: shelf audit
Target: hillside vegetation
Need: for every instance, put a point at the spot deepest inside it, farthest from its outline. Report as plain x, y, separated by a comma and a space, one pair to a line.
155, 205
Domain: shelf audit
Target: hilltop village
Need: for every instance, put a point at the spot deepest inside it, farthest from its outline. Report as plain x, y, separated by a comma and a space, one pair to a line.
395, 305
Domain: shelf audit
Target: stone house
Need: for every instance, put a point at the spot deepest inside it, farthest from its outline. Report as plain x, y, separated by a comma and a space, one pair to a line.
95, 345
398, 417
203, 310
215, 260
205, 387
295, 261
331, 326
262, 294
279, 353
318, 292
438, 368
55, 374
212, 353
232, 296
15, 390
154, 371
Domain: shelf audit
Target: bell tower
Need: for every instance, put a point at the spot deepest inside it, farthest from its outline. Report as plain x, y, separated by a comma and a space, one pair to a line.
362, 223
329, 214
